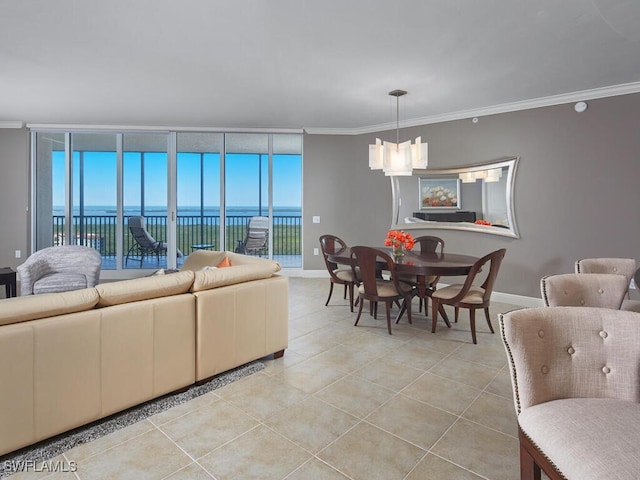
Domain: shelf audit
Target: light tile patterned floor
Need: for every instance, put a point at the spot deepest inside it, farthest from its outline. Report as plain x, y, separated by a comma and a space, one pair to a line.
344, 402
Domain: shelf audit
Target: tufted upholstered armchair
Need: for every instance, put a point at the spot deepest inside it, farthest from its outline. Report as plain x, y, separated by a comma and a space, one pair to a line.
620, 266
605, 290
60, 269
575, 373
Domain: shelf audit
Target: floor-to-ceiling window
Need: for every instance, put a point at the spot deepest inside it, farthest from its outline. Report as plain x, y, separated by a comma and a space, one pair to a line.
144, 188
263, 177
190, 191
198, 191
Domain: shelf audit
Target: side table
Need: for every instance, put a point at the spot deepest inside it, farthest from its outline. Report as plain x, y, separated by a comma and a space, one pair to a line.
8, 279
202, 246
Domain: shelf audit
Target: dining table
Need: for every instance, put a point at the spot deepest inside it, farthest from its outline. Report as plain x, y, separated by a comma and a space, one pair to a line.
420, 264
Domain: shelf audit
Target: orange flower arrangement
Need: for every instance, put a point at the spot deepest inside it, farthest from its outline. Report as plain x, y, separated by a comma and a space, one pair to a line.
398, 239
483, 222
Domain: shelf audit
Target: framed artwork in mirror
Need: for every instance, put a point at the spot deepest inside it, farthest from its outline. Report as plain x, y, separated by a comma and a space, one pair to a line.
439, 193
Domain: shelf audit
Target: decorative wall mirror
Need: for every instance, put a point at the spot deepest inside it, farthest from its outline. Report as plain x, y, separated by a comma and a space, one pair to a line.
476, 197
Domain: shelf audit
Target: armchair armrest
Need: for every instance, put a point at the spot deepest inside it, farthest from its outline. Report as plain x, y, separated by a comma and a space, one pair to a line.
568, 352
30, 272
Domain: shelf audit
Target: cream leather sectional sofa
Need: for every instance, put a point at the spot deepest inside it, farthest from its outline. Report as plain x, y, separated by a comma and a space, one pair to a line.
67, 359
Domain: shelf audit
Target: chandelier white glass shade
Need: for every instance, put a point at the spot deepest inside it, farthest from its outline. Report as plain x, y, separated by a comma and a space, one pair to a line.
398, 158
491, 175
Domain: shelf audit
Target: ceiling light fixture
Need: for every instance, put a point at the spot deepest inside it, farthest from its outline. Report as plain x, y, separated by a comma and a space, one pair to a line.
397, 158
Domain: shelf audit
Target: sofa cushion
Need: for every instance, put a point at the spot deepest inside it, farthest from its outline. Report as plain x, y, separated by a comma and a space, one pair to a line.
60, 282
126, 291
203, 258
586, 437
219, 277
32, 307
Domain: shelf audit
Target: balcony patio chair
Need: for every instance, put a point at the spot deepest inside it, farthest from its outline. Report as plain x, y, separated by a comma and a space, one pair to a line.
60, 269
255, 241
144, 244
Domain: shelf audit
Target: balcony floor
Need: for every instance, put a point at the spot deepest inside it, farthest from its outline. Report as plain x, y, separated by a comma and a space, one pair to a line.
151, 263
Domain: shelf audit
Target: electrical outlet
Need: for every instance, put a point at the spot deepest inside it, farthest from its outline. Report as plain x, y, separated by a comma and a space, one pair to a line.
18, 254
316, 219
316, 251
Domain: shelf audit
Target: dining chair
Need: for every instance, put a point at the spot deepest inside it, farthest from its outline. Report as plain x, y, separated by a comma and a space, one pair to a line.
428, 244
366, 265
468, 295
337, 275
602, 290
621, 266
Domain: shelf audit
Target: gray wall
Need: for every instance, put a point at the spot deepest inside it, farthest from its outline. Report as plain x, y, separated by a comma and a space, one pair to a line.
576, 192
14, 174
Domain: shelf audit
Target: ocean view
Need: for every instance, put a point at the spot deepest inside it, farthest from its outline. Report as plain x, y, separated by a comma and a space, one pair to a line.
187, 211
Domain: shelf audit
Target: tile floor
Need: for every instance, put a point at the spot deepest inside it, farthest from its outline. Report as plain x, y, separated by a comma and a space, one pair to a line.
344, 402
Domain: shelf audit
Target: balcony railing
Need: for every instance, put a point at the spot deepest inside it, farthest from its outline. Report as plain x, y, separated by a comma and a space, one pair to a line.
99, 232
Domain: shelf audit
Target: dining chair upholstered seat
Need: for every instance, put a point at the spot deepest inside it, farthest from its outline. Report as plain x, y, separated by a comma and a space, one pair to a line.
386, 288
468, 295
341, 275
602, 290
366, 264
620, 266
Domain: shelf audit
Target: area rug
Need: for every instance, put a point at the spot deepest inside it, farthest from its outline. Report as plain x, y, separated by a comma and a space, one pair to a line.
55, 446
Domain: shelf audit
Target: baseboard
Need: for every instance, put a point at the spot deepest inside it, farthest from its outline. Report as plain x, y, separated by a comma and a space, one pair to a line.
519, 300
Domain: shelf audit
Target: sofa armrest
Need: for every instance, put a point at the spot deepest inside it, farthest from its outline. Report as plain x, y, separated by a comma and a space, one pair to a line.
568, 352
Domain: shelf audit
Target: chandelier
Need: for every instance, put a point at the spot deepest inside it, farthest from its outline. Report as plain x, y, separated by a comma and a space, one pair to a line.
397, 158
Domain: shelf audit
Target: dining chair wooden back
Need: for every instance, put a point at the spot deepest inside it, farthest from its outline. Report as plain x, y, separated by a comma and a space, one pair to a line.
367, 263
428, 244
337, 275
469, 295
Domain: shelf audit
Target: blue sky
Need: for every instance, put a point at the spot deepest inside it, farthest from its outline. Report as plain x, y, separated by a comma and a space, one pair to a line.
242, 179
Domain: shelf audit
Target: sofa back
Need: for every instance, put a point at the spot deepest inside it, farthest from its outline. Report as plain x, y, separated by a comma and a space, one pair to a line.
32, 307
145, 288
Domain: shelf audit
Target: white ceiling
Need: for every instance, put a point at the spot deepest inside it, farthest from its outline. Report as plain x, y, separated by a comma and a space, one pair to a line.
323, 65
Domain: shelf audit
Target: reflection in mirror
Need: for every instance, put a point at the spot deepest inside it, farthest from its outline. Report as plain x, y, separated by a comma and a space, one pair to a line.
474, 197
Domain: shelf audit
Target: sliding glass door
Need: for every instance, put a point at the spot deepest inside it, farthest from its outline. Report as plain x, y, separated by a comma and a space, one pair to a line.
147, 200
145, 183
263, 178
198, 191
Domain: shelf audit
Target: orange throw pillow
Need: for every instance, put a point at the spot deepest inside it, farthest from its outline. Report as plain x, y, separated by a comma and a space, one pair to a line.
224, 263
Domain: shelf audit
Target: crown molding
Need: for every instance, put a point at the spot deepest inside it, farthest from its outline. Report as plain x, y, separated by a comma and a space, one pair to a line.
11, 124
151, 128
583, 95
